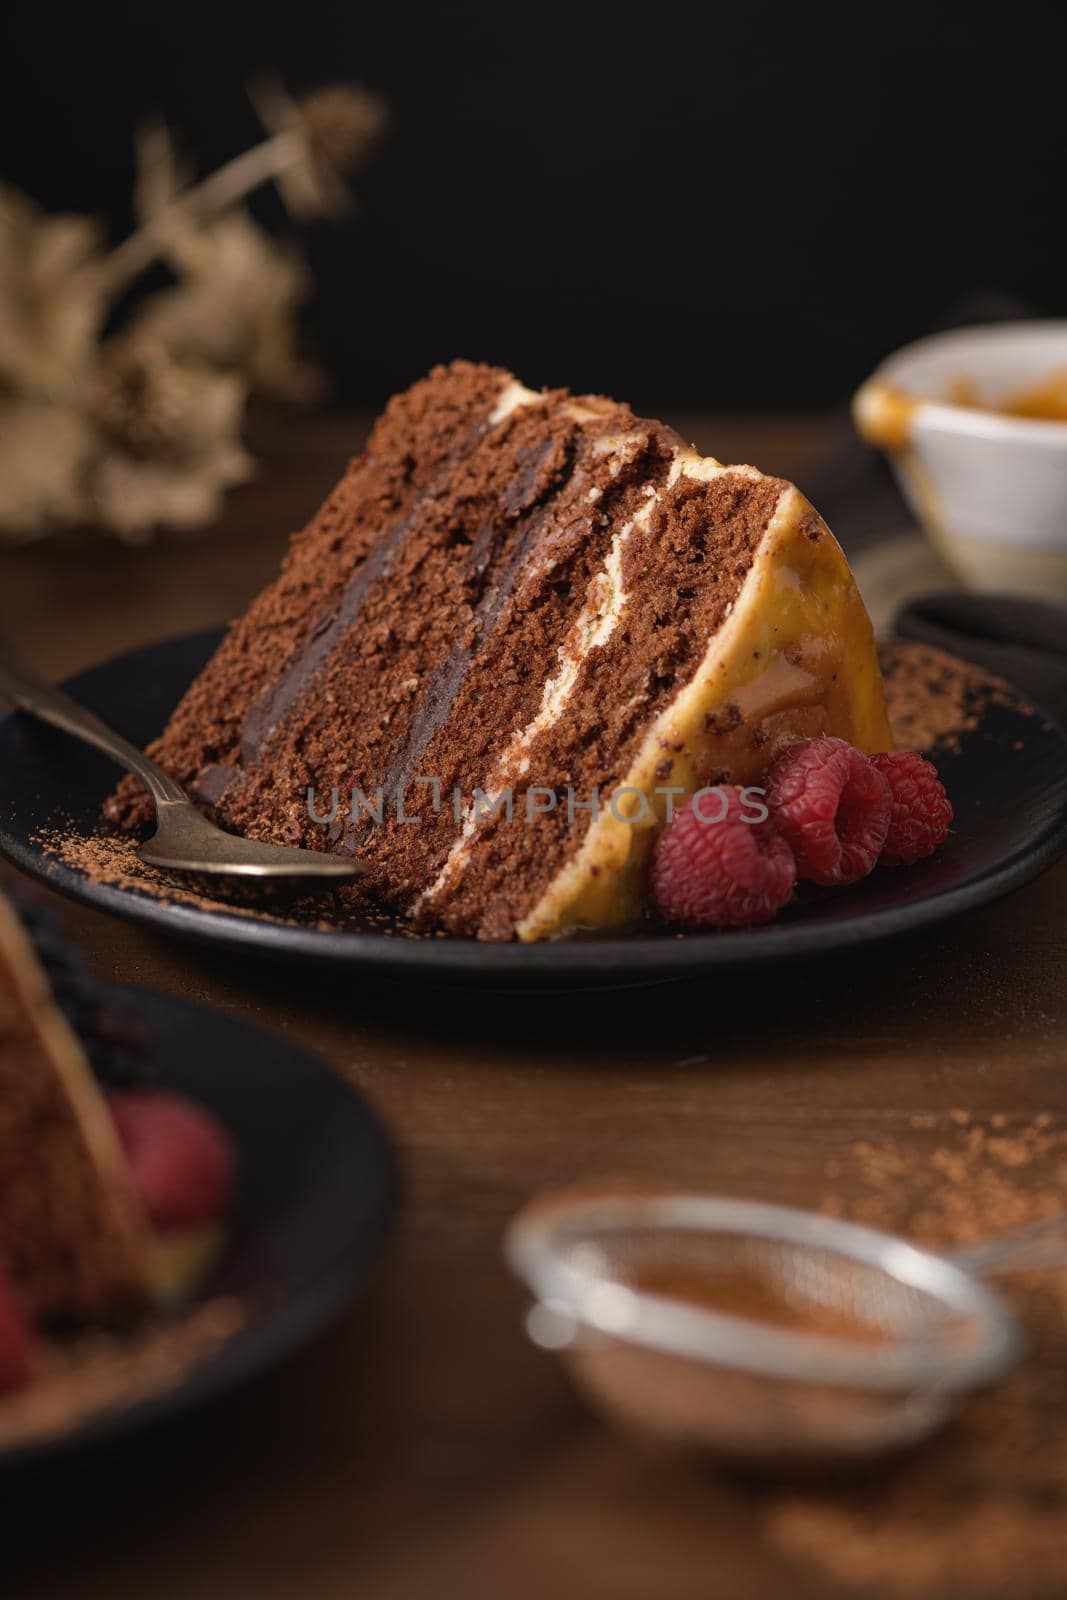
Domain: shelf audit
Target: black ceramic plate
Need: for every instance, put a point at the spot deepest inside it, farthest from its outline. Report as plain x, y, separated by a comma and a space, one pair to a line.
1008, 784
316, 1189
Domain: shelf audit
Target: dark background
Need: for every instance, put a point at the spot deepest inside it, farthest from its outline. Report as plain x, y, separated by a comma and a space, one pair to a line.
688, 205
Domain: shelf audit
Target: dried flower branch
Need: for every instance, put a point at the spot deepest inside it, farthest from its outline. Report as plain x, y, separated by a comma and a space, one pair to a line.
143, 428
325, 137
160, 176
312, 144
45, 456
171, 440
233, 306
52, 304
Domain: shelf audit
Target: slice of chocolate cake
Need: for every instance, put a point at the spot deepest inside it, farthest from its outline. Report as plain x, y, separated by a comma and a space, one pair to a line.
522, 627
73, 1235
114, 1192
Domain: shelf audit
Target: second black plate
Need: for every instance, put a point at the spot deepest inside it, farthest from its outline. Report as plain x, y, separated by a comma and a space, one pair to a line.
316, 1189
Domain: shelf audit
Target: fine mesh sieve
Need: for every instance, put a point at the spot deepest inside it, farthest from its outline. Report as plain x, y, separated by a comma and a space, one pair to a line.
761, 1331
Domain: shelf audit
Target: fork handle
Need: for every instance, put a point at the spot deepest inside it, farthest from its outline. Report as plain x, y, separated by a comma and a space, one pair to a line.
30, 694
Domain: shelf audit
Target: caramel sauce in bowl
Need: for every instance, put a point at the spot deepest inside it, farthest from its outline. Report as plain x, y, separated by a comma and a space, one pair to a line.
974, 423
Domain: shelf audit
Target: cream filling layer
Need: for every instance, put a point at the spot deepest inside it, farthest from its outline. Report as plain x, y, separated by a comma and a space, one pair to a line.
511, 397
604, 609
610, 840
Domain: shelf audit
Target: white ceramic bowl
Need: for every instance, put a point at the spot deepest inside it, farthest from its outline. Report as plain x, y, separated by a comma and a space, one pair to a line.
989, 488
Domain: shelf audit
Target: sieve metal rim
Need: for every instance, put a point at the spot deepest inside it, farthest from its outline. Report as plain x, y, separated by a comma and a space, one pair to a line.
533, 1247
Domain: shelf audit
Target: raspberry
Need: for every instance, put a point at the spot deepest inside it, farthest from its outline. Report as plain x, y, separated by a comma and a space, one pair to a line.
921, 811
182, 1159
831, 807
16, 1338
731, 873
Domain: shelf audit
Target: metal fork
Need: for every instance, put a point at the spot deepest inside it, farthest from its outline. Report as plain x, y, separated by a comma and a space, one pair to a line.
184, 841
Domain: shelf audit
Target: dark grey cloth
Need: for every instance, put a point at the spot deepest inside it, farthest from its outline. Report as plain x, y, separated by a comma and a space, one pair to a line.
1024, 641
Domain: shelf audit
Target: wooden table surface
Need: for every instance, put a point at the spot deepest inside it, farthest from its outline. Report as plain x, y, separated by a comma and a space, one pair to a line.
425, 1449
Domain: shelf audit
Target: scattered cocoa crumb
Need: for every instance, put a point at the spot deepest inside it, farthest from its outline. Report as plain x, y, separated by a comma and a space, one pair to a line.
933, 698
110, 857
981, 1511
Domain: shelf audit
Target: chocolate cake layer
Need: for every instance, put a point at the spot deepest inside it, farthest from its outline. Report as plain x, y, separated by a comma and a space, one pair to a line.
512, 593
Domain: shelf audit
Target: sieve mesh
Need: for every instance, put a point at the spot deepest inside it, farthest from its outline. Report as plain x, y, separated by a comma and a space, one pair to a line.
803, 1288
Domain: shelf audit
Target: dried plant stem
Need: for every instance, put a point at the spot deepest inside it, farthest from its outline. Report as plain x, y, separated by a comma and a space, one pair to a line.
222, 189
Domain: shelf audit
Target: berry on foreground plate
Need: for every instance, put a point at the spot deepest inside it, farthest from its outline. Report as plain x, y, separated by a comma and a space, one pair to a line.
832, 807
720, 864
922, 811
16, 1337
182, 1160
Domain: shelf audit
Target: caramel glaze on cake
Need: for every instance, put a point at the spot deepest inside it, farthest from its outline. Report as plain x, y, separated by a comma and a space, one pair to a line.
522, 591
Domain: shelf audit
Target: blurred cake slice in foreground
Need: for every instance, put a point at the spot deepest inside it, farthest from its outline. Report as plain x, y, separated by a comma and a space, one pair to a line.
522, 626
73, 1236
113, 1191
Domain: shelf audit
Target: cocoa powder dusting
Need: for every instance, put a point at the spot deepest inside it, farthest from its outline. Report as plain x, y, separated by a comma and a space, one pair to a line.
754, 1295
933, 698
109, 857
981, 1511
